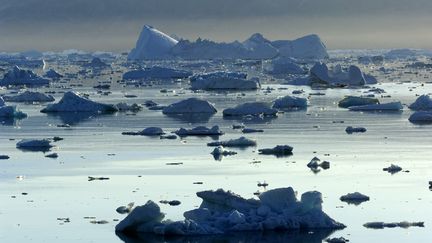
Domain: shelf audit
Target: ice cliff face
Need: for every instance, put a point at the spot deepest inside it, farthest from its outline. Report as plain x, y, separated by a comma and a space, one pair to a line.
153, 44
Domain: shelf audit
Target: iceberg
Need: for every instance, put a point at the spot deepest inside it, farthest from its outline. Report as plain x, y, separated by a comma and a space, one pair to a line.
290, 102
279, 150
392, 106
239, 142
156, 72
122, 106
252, 108
149, 131
223, 212
283, 66
421, 117
34, 145
97, 63
259, 47
351, 130
220, 151
190, 106
306, 47
422, 103
74, 102
223, 80
52, 74
11, 112
29, 96
18, 76
200, 131
356, 101
152, 44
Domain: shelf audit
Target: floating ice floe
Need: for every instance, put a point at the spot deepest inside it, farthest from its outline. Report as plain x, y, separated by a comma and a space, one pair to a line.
283, 66
392, 106
351, 130
382, 225
200, 131
34, 145
74, 102
223, 80
149, 131
279, 150
251, 130
290, 102
421, 117
315, 163
152, 44
252, 108
29, 96
224, 212
337, 240
18, 76
355, 198
348, 101
122, 106
156, 72
191, 105
422, 103
239, 142
393, 169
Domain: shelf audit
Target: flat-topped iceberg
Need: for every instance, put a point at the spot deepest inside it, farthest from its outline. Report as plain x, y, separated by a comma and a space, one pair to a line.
423, 102
290, 102
34, 145
18, 76
306, 47
156, 72
29, 96
224, 80
239, 142
74, 102
251, 108
152, 44
348, 101
392, 106
223, 212
199, 131
188, 106
279, 150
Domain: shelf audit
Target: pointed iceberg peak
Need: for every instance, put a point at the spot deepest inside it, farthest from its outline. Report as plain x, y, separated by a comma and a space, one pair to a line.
152, 44
257, 37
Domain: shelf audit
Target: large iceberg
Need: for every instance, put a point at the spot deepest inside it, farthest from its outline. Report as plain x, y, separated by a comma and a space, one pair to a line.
29, 96
156, 72
152, 44
290, 102
74, 102
18, 76
306, 47
223, 212
223, 80
188, 106
423, 102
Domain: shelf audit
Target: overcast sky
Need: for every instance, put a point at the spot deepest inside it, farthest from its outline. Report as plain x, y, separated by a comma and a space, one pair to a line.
114, 25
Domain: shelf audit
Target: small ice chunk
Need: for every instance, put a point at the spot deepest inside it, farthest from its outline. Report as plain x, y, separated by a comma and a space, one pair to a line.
279, 150
382, 225
149, 131
421, 117
200, 131
34, 144
393, 169
356, 101
188, 106
290, 102
354, 198
351, 130
423, 103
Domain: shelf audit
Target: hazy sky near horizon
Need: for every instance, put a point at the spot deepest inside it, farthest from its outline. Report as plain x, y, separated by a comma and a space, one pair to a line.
114, 25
